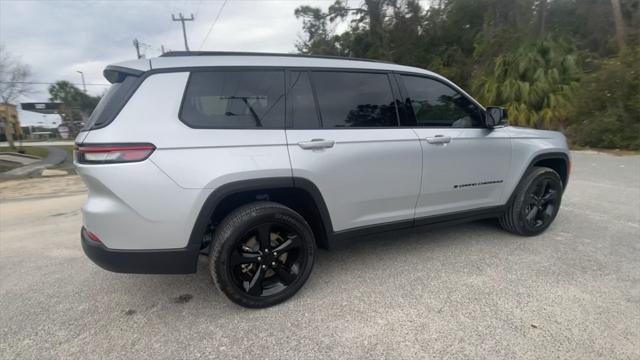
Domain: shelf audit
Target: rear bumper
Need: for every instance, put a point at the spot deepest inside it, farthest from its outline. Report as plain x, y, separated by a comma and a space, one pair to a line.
170, 261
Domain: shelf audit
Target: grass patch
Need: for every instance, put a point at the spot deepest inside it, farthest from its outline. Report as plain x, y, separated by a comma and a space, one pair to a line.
68, 148
29, 150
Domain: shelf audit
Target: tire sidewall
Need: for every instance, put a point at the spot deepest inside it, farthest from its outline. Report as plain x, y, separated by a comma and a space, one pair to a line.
531, 179
236, 225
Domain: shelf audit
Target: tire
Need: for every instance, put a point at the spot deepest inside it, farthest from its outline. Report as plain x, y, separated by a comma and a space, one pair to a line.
244, 262
536, 203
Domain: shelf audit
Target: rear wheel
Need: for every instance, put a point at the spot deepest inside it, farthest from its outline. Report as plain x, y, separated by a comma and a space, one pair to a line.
262, 254
536, 203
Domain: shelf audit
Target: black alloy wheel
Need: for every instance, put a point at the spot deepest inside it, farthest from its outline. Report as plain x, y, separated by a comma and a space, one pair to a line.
262, 253
541, 203
267, 259
535, 204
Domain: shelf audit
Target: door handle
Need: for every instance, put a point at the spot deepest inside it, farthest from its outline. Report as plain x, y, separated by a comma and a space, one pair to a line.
439, 139
316, 144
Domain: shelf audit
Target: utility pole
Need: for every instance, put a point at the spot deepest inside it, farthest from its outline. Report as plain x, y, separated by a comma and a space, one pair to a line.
84, 85
182, 19
162, 49
136, 44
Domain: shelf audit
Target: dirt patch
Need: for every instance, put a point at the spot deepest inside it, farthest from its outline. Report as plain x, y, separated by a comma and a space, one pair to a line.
41, 187
183, 299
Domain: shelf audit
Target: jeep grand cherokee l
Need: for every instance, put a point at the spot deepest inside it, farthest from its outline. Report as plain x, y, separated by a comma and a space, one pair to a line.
258, 159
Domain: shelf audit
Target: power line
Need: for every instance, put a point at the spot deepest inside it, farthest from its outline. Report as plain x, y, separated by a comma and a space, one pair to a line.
47, 83
140, 45
213, 24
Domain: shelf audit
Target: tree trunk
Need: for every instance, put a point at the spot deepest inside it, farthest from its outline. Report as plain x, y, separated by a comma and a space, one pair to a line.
542, 18
375, 12
8, 127
619, 23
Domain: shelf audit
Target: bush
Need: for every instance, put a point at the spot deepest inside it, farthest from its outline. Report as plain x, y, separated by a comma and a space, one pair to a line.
608, 105
612, 129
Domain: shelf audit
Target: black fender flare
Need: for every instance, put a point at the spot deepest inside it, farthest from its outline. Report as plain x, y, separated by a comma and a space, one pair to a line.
536, 159
220, 193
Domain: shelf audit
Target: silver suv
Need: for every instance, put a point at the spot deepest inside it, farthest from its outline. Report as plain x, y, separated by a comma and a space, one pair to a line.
257, 159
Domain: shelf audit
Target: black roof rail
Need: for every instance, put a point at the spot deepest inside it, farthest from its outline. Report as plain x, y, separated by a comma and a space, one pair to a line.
242, 53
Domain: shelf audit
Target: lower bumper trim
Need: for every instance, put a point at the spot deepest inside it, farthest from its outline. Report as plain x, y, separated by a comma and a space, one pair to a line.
169, 261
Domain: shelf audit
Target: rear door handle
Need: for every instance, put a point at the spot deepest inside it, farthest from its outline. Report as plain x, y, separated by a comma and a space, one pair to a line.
439, 139
316, 144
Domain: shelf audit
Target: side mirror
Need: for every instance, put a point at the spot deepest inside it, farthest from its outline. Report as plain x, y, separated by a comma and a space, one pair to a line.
495, 116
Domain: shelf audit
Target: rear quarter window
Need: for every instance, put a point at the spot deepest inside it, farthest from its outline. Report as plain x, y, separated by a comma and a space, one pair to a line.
111, 103
234, 100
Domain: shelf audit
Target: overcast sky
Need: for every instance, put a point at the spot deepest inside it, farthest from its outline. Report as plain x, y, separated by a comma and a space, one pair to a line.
58, 38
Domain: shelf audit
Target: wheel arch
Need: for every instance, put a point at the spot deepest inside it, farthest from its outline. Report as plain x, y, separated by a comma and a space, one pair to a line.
557, 161
300, 194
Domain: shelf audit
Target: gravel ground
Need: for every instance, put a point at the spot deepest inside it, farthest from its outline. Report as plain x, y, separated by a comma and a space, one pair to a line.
466, 292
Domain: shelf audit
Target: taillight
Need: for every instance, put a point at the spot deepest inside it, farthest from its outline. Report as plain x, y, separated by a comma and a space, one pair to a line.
114, 153
93, 237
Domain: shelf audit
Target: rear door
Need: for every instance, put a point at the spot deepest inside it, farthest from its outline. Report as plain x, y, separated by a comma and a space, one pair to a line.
464, 163
344, 136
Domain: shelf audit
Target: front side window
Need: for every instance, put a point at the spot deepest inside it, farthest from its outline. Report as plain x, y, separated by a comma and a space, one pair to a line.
234, 100
355, 99
438, 105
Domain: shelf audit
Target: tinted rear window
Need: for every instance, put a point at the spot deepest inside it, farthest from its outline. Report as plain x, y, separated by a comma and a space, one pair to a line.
303, 105
355, 99
111, 103
234, 100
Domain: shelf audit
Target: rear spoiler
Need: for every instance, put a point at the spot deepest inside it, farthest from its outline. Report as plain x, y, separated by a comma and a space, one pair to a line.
116, 74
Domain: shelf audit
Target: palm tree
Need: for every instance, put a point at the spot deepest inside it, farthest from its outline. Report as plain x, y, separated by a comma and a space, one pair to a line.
536, 83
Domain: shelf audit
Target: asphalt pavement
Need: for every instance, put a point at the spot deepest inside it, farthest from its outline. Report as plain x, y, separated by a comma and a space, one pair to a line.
471, 291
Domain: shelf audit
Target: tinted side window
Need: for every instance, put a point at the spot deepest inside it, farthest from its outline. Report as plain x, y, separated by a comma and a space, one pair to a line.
438, 105
355, 99
303, 105
234, 99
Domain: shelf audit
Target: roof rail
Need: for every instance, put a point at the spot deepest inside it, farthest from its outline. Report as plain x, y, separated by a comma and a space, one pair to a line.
241, 53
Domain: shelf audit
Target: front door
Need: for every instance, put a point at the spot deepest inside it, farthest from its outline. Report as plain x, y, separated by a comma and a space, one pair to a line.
464, 164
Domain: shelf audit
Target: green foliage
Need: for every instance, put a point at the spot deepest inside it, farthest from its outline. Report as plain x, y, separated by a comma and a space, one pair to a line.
536, 82
76, 105
608, 104
320, 38
70, 95
547, 61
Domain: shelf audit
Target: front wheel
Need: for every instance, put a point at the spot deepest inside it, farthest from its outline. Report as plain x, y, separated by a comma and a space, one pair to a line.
536, 203
262, 254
